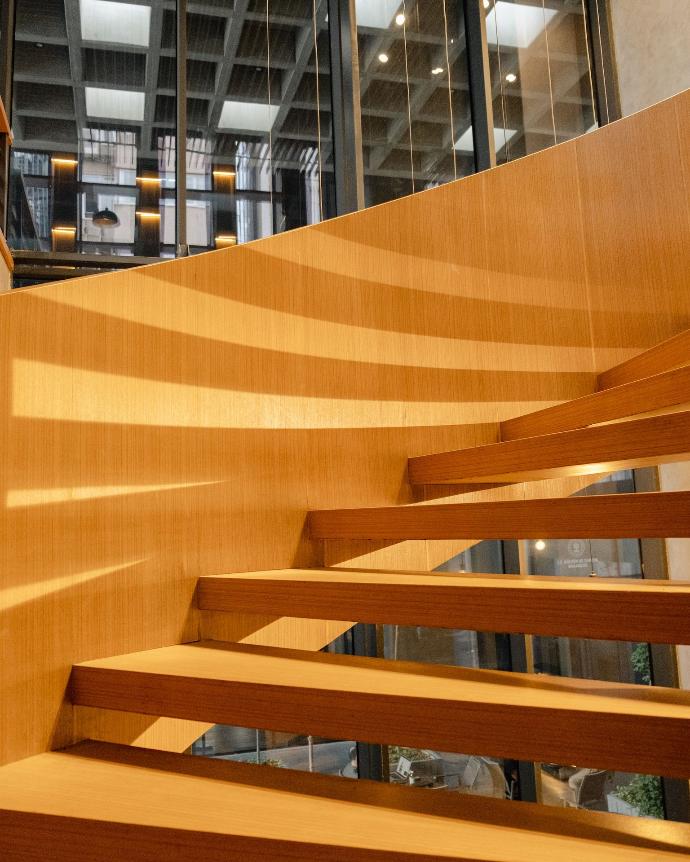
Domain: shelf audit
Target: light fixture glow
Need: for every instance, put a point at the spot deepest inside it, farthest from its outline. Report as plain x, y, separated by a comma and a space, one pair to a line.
486, 4
144, 214
437, 71
383, 58
226, 239
63, 230
228, 174
540, 544
400, 19
149, 180
60, 161
511, 77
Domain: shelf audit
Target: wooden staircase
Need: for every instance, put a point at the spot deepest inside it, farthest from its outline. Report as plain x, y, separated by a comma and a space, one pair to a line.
109, 802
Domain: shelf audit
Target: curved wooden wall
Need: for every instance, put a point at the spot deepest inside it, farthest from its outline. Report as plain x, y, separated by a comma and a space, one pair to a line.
178, 420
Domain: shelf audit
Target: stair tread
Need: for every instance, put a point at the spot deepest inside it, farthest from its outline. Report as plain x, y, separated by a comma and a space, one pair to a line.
607, 608
610, 725
664, 390
668, 354
103, 800
605, 448
661, 514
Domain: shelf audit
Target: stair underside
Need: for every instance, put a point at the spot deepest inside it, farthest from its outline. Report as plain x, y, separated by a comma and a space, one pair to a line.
659, 392
522, 716
608, 516
606, 608
605, 448
112, 803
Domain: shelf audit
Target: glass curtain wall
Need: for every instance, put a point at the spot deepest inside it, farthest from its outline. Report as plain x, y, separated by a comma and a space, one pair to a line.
541, 81
95, 116
414, 95
89, 163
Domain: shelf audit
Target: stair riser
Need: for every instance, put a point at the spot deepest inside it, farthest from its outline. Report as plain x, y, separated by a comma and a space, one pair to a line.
611, 615
597, 739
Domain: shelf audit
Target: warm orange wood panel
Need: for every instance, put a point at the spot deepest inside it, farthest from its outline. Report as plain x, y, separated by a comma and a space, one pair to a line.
4, 122
664, 356
105, 802
607, 516
613, 609
5, 254
665, 390
606, 448
501, 714
178, 420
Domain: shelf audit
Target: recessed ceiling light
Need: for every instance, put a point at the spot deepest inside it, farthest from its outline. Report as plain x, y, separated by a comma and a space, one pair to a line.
105, 21
511, 77
383, 58
400, 19
114, 104
540, 544
247, 116
437, 70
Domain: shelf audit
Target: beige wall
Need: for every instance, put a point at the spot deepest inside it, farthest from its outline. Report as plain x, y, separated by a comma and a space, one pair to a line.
652, 46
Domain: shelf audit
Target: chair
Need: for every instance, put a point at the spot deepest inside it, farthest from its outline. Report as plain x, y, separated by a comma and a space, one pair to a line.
590, 792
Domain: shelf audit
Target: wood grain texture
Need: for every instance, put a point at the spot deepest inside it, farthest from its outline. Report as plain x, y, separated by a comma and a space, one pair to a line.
619, 446
521, 716
101, 801
5, 128
613, 609
609, 516
178, 420
669, 354
656, 393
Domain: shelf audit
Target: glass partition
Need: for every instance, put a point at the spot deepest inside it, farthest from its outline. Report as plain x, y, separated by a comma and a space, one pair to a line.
541, 82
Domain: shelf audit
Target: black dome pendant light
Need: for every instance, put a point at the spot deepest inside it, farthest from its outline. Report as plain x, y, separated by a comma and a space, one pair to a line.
105, 218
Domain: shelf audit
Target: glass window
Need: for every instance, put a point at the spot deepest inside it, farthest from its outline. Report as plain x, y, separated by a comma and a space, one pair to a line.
414, 96
540, 74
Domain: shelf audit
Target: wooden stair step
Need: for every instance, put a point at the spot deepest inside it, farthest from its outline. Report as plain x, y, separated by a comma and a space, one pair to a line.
111, 802
607, 608
608, 516
656, 393
664, 356
606, 448
522, 716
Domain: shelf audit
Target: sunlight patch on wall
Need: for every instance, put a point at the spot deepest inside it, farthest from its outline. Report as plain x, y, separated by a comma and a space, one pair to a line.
10, 597
18, 497
45, 391
179, 309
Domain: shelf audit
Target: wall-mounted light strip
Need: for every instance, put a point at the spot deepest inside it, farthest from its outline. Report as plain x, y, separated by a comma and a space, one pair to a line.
144, 214
60, 161
228, 174
63, 230
149, 180
226, 239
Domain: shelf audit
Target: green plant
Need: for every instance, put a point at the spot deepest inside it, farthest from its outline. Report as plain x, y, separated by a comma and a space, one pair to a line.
640, 662
271, 762
644, 793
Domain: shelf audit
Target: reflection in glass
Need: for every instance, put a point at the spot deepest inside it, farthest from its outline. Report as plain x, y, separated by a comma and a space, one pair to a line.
414, 96
617, 661
540, 74
458, 772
